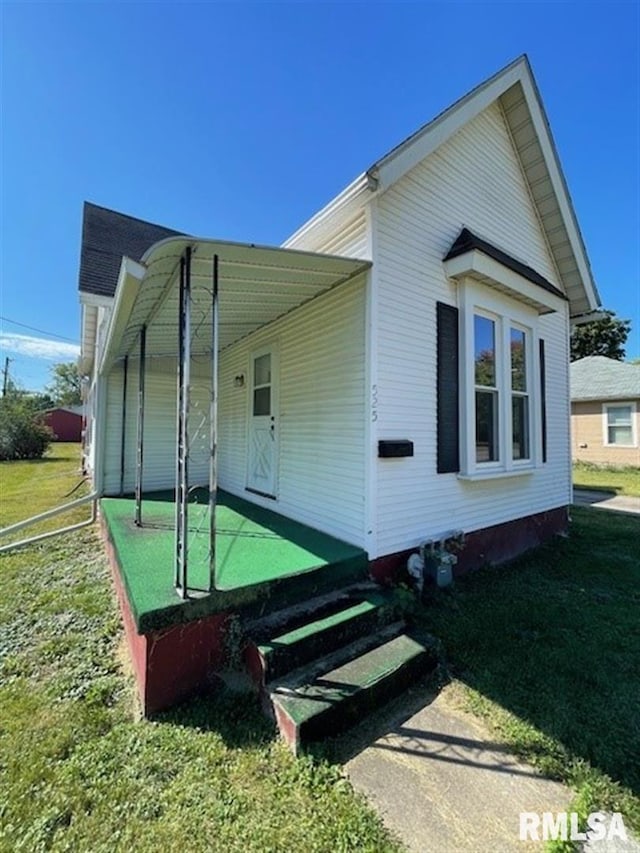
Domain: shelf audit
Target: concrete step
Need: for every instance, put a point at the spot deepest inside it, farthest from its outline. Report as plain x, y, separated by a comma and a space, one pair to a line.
279, 621
328, 699
331, 628
308, 672
285, 592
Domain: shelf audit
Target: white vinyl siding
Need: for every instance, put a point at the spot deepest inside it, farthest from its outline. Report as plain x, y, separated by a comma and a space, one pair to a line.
348, 238
473, 180
159, 426
321, 413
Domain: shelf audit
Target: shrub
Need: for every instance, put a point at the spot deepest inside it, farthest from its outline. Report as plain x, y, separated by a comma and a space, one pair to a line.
23, 434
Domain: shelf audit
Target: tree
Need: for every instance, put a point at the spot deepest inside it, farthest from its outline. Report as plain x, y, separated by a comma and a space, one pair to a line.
41, 401
65, 388
601, 337
23, 434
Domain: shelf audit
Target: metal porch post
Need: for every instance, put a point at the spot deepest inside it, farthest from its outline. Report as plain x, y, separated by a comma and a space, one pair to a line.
213, 428
182, 467
140, 454
180, 368
125, 374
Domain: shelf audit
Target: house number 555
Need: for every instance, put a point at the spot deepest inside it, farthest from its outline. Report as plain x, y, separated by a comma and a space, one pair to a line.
374, 403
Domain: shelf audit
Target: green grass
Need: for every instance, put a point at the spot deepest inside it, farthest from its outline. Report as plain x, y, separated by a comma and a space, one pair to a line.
548, 652
622, 481
31, 487
79, 772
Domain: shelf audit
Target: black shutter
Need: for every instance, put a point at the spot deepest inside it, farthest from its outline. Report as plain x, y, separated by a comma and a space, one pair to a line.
543, 401
447, 389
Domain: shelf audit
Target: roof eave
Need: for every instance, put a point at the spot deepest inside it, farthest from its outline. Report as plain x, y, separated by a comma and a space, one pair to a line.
394, 165
159, 271
560, 185
129, 279
409, 153
594, 398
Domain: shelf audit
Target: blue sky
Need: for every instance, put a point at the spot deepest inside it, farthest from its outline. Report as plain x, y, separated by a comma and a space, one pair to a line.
239, 121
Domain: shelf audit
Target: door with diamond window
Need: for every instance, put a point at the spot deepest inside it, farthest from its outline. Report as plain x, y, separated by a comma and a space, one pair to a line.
262, 451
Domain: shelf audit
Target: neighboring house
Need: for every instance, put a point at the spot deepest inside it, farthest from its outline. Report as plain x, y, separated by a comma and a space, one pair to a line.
605, 411
66, 423
395, 371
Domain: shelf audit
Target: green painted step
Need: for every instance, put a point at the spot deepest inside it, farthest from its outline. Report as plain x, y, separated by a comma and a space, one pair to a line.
338, 698
263, 628
286, 592
357, 616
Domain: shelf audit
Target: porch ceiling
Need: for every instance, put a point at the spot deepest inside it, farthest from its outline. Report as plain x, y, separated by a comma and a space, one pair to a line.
257, 284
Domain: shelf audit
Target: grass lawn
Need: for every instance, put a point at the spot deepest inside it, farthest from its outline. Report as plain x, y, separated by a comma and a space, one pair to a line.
547, 650
79, 772
622, 481
31, 487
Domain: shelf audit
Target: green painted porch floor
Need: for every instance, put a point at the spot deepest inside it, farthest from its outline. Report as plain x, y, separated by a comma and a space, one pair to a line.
255, 548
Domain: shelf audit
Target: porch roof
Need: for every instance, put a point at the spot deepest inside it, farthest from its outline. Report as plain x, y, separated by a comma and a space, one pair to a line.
257, 284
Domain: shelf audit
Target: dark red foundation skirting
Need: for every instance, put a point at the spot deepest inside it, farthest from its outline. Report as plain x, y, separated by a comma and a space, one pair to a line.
491, 545
172, 663
175, 662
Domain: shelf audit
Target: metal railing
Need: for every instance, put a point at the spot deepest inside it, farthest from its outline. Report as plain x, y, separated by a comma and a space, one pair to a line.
43, 516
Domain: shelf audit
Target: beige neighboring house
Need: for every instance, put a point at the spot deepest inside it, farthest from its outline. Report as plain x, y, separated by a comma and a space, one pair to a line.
605, 411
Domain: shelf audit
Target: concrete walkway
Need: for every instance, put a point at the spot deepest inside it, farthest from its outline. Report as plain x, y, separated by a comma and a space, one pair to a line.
443, 785
605, 500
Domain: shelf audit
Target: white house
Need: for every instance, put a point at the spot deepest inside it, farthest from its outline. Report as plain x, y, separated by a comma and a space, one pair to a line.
398, 369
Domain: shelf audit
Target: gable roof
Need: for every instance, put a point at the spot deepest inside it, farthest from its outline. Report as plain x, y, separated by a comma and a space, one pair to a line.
69, 410
107, 236
515, 89
599, 378
467, 241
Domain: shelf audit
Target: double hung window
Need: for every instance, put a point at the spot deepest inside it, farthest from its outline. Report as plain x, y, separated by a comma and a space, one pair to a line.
618, 424
498, 428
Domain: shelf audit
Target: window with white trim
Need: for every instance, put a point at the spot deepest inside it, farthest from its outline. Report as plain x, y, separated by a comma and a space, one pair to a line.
520, 409
618, 424
487, 397
500, 396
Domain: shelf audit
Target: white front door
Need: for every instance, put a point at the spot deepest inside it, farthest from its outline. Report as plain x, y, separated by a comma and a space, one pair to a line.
262, 452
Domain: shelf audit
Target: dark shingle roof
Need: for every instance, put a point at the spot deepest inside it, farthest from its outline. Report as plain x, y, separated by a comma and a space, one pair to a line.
467, 241
596, 377
106, 237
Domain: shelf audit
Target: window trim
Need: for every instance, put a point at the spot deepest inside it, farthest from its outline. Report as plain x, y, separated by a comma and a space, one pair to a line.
616, 404
476, 299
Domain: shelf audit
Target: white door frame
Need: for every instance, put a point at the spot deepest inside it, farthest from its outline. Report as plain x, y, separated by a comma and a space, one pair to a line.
271, 421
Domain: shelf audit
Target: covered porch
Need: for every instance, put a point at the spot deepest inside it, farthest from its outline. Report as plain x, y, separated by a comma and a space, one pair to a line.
191, 425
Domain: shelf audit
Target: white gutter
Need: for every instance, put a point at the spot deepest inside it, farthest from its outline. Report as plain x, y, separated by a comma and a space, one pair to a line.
589, 317
129, 280
88, 338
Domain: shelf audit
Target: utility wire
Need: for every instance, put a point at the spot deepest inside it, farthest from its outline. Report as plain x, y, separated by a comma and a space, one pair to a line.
33, 329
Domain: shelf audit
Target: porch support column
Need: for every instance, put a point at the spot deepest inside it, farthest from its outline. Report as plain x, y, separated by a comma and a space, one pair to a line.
213, 428
182, 454
140, 452
123, 436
